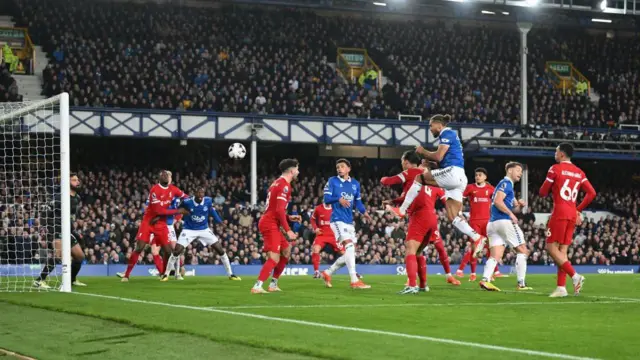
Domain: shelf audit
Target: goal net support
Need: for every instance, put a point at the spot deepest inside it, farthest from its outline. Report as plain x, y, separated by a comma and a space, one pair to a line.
35, 219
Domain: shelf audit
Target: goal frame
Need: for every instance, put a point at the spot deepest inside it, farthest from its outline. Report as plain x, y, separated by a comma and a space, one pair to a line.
65, 171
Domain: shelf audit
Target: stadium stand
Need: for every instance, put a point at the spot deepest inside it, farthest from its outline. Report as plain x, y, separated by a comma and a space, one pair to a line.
279, 62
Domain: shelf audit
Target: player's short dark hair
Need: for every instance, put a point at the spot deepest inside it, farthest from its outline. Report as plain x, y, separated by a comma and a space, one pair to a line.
198, 188
412, 157
481, 170
344, 161
72, 174
287, 164
442, 119
512, 164
566, 148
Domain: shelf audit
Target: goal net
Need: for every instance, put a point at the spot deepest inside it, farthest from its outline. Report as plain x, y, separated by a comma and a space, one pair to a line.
34, 195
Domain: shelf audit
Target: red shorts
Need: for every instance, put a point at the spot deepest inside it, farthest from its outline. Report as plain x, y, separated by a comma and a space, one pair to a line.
159, 230
479, 226
274, 240
560, 231
324, 240
423, 227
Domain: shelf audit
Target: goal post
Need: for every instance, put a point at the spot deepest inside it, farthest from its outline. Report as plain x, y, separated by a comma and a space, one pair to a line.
35, 209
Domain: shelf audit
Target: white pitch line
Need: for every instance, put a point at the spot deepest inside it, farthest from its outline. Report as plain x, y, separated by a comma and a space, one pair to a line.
620, 299
348, 328
425, 304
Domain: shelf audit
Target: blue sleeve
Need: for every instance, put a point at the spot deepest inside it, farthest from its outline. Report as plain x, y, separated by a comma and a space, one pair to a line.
187, 203
359, 204
503, 186
216, 217
329, 196
447, 138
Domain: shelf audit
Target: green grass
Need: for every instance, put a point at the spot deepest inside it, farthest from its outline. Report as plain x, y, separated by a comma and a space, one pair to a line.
212, 317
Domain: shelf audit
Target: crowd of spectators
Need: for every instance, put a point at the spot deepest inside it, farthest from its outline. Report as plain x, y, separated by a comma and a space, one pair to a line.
263, 61
113, 198
8, 86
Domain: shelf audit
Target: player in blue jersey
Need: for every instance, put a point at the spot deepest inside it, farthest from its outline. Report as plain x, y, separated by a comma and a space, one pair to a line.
196, 227
343, 193
450, 176
503, 229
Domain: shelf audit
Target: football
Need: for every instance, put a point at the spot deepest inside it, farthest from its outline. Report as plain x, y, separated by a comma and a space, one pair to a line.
237, 151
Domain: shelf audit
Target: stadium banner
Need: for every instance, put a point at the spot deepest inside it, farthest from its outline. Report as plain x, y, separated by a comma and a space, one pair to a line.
28, 270
562, 68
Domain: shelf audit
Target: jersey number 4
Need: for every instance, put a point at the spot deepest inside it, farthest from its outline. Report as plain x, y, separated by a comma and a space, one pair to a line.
567, 193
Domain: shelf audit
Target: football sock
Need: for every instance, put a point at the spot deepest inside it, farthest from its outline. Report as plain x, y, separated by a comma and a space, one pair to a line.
566, 266
227, 265
133, 260
462, 225
465, 260
51, 264
170, 265
315, 259
444, 258
280, 267
75, 269
266, 270
350, 257
159, 264
412, 269
521, 267
412, 194
562, 278
422, 270
337, 265
488, 269
474, 263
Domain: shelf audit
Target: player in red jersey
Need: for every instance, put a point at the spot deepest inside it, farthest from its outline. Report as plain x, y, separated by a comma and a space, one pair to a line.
320, 221
423, 223
479, 196
564, 181
154, 222
275, 218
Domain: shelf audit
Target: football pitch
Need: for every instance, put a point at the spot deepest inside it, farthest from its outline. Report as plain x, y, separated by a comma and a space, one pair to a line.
214, 318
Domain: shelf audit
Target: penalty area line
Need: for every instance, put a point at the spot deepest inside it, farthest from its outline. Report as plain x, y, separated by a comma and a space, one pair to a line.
346, 328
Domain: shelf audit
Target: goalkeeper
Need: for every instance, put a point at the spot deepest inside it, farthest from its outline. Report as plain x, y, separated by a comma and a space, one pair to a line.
77, 253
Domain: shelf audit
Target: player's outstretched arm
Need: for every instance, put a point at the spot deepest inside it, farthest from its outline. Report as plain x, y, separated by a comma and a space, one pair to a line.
393, 180
216, 217
157, 209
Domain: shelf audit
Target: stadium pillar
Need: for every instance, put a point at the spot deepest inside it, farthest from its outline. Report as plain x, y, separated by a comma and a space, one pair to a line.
254, 168
524, 28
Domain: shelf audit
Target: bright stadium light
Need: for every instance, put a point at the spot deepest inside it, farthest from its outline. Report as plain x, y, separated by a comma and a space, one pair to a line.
505, 13
487, 12
603, 5
379, 4
532, 3
596, 20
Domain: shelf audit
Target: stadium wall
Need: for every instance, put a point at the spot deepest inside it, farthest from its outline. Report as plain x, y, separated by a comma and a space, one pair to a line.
299, 270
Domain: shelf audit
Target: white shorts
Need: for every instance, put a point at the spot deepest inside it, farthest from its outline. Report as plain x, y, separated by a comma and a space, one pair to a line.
453, 180
172, 233
343, 231
502, 232
205, 236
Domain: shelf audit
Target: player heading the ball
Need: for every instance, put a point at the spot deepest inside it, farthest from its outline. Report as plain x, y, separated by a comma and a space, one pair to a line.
450, 176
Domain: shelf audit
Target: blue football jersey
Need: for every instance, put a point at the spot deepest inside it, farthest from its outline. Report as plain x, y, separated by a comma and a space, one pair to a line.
454, 155
349, 189
198, 219
506, 186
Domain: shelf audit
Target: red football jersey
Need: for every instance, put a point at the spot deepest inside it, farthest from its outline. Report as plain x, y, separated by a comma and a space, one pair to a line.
565, 180
277, 201
426, 198
160, 198
479, 200
321, 218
